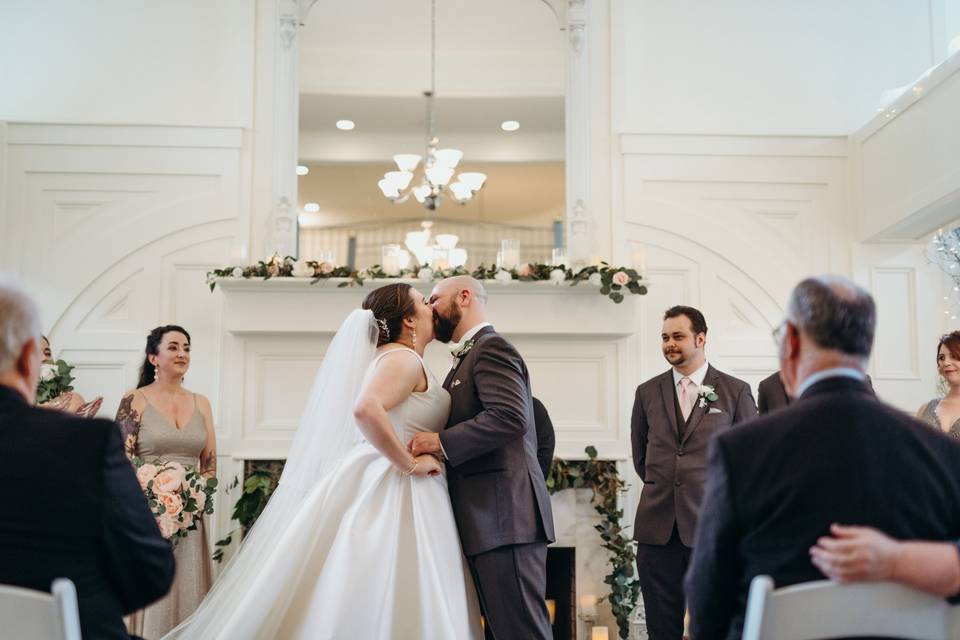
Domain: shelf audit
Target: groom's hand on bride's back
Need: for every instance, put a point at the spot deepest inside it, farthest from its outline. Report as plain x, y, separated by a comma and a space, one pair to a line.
422, 443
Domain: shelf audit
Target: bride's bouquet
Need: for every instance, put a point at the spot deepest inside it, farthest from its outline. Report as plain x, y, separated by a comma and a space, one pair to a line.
55, 379
178, 495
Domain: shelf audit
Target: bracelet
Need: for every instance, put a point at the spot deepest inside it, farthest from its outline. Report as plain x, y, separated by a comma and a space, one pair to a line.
413, 467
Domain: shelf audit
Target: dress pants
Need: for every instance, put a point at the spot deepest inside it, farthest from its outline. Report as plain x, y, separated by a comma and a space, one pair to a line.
511, 583
661, 569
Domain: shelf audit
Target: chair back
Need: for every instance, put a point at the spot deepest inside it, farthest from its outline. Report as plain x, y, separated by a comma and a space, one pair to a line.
40, 616
826, 609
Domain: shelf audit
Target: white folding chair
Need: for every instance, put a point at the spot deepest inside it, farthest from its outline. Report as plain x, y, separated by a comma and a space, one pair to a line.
26, 613
826, 609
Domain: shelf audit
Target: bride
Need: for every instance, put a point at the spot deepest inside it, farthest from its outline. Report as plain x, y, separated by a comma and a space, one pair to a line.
358, 540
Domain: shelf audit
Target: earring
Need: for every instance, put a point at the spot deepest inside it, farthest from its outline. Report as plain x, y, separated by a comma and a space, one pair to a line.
414, 335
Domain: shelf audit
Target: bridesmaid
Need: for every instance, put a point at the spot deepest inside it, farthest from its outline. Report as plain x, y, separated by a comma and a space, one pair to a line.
70, 401
162, 419
944, 413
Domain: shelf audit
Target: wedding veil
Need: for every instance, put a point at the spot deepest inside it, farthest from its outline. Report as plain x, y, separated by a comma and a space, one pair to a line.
242, 597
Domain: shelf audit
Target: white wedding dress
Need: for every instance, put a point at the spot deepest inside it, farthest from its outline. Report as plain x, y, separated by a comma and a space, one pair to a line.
366, 552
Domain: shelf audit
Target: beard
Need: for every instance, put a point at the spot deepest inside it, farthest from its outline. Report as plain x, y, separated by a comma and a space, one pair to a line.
445, 323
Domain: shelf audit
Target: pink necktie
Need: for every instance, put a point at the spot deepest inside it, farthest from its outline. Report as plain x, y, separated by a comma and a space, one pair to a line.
686, 397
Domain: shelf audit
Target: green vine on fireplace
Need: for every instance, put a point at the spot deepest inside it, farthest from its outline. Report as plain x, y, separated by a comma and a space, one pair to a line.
600, 476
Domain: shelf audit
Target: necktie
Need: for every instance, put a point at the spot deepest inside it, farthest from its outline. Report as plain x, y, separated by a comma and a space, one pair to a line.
687, 396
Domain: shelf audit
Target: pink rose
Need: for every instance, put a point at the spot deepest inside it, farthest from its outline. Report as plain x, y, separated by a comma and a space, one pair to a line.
168, 527
170, 479
172, 503
273, 270
200, 497
621, 278
326, 267
524, 271
145, 474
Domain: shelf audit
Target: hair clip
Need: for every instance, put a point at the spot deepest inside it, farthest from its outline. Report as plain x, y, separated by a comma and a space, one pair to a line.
384, 329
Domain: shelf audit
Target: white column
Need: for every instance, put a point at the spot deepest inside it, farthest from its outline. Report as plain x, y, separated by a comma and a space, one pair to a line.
280, 236
579, 227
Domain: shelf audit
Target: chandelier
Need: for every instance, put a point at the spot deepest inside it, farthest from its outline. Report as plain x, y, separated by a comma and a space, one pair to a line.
438, 165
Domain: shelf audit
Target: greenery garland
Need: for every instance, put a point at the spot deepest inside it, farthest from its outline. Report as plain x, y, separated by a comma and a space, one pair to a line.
600, 476
612, 281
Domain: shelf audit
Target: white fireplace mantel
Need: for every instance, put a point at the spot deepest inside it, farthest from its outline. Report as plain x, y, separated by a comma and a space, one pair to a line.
294, 305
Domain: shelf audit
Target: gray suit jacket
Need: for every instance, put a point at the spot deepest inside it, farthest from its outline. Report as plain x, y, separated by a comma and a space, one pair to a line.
496, 485
673, 468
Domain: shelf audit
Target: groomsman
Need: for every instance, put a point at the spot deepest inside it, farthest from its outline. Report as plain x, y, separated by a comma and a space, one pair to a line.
772, 395
674, 416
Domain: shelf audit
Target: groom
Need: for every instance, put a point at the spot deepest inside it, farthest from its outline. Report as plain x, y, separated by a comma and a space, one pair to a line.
498, 492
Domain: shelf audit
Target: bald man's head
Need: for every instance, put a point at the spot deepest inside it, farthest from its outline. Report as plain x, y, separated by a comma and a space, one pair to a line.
459, 303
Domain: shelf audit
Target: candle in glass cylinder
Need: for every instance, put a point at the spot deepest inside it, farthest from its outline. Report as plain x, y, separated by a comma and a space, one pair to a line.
391, 259
600, 633
509, 254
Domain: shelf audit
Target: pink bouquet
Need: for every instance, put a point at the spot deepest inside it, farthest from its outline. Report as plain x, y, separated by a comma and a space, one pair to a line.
178, 495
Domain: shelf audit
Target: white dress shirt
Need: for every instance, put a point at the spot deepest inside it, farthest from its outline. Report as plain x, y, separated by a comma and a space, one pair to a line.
696, 377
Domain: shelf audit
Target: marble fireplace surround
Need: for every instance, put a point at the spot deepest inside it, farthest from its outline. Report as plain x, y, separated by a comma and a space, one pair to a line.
580, 348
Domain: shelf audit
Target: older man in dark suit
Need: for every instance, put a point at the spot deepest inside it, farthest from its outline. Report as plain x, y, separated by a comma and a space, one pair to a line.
836, 455
78, 511
674, 416
497, 486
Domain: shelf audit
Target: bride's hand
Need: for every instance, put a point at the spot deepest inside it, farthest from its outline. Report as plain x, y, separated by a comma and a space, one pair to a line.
427, 465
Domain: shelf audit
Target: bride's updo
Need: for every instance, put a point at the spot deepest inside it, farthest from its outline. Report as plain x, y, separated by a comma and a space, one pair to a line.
390, 305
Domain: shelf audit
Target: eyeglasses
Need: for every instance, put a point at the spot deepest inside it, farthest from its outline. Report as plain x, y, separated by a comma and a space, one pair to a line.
778, 331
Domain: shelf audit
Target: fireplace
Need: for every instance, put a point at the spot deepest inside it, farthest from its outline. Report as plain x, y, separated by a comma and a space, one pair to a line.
562, 591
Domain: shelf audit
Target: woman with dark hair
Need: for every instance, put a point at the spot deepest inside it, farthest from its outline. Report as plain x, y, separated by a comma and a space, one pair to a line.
359, 539
162, 420
68, 401
944, 413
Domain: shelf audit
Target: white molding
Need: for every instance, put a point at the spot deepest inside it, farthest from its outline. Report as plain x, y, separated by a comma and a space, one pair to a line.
723, 145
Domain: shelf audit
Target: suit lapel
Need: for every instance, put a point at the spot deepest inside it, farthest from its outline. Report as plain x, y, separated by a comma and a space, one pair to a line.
456, 365
669, 400
698, 412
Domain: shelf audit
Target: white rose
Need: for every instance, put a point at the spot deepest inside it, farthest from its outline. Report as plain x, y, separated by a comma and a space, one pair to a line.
425, 273
237, 272
48, 372
301, 269
503, 277
557, 276
596, 279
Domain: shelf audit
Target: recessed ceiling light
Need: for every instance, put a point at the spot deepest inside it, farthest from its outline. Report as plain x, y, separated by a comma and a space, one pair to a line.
345, 125
311, 207
509, 125
302, 170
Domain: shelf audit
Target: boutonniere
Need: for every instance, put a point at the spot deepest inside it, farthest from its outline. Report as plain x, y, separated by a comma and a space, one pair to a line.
707, 394
464, 350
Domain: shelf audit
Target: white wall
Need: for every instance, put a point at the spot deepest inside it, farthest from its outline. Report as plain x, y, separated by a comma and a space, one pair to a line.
768, 66
176, 62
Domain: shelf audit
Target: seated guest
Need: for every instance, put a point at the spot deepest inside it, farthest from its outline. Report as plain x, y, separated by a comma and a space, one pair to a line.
771, 394
863, 554
78, 511
546, 438
837, 454
944, 413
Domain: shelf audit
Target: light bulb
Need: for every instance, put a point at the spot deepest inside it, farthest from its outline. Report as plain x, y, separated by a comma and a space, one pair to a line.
461, 191
406, 161
447, 157
509, 125
421, 193
311, 207
345, 125
388, 188
399, 179
473, 180
302, 170
439, 176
